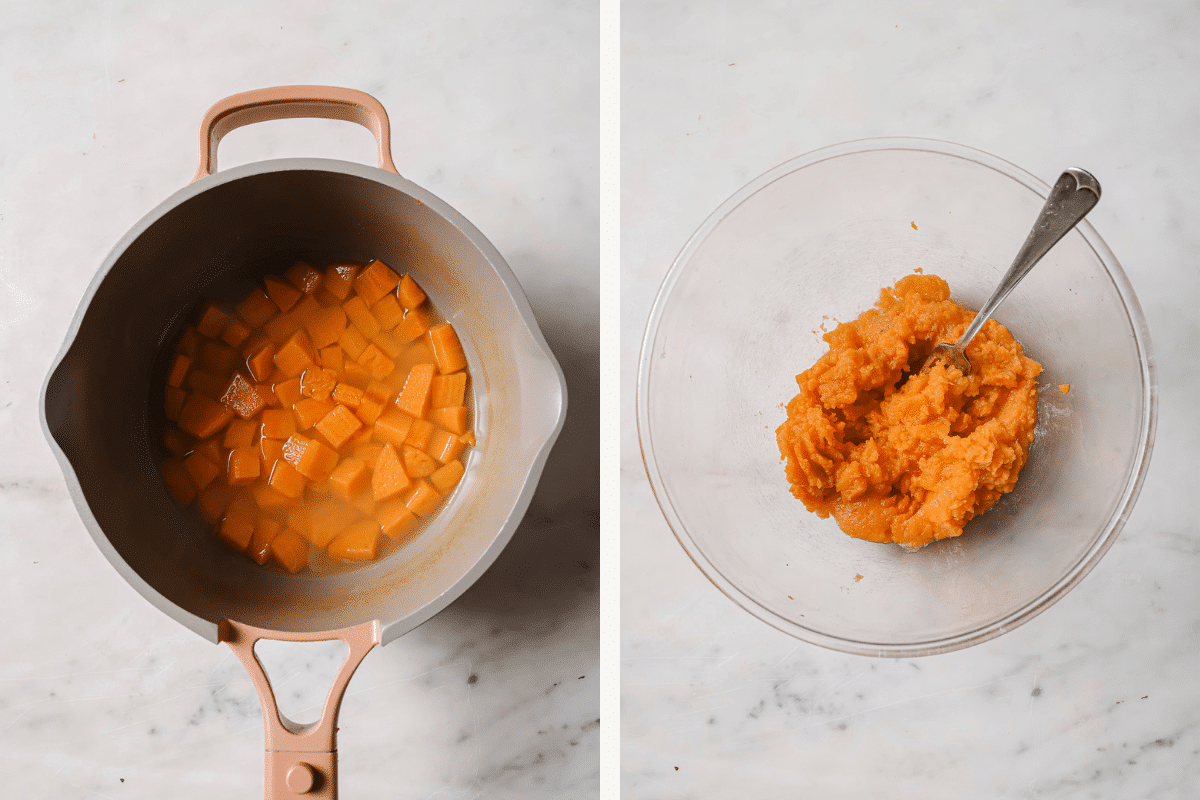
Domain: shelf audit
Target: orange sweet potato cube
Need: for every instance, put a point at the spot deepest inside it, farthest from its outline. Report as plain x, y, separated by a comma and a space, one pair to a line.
357, 542
348, 395
448, 390
202, 416
414, 398
368, 411
326, 520
417, 464
262, 361
290, 549
200, 469
242, 397
270, 499
256, 309
446, 477
376, 362
235, 333
395, 518
210, 449
218, 357
364, 435
294, 448
376, 280
332, 359
283, 295
283, 326
339, 279
422, 499
288, 392
353, 342
318, 461
444, 446
212, 321
388, 312
325, 326
303, 277
173, 400
265, 529
339, 425
278, 423
446, 348
178, 481
393, 426
349, 477
453, 419
388, 344
244, 466
309, 411
361, 316
189, 343
356, 374
295, 355
388, 478
420, 434
209, 384
239, 433
236, 530
379, 392
318, 383
180, 365
286, 480
415, 323
410, 293
214, 500
177, 441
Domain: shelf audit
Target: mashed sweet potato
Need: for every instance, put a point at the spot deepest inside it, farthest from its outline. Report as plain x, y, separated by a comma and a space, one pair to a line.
900, 456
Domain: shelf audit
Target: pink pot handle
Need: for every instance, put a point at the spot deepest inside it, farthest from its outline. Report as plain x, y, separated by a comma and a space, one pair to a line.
289, 102
301, 760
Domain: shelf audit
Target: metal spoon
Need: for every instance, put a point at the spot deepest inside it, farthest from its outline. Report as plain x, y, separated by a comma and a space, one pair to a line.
1074, 194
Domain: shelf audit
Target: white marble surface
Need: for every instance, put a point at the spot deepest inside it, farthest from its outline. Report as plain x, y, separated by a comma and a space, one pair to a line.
494, 108
1098, 696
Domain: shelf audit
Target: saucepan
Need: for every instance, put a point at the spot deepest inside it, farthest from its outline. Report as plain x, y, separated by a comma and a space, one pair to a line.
101, 403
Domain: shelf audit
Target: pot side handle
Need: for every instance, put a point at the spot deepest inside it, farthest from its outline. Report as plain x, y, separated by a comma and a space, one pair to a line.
291, 102
300, 760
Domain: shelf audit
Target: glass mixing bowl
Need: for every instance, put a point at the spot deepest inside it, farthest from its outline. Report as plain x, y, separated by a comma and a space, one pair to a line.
741, 313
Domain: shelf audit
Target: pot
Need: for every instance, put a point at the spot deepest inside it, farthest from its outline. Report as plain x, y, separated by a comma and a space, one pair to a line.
102, 410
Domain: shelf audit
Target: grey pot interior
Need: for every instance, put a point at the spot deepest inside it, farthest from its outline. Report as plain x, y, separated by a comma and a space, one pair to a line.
102, 403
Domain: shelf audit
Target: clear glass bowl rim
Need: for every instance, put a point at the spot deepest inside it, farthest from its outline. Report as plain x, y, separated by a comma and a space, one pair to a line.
1036, 605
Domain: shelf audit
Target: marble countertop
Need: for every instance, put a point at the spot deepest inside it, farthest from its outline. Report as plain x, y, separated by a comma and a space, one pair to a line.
1096, 697
494, 109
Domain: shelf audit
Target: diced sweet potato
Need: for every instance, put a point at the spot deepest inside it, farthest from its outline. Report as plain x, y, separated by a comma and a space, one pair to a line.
348, 395
349, 477
265, 529
288, 392
415, 396
214, 500
331, 358
339, 425
376, 362
388, 312
173, 401
286, 480
209, 384
280, 328
244, 466
178, 481
453, 419
417, 463
415, 323
318, 383
177, 441
318, 461
388, 478
422, 499
308, 411
353, 342
262, 361
283, 295
420, 434
444, 446
307, 310
393, 426
357, 542
236, 531
368, 411
303, 277
395, 518
278, 423
363, 436
448, 390
212, 321
270, 499
210, 449
326, 520
200, 469
203, 417
242, 397
447, 349
388, 344
339, 279
468, 438
325, 326
180, 365
294, 448
257, 308
290, 549
446, 477
410, 293
189, 343
270, 451
376, 280
239, 433
235, 333
218, 357
361, 316
295, 355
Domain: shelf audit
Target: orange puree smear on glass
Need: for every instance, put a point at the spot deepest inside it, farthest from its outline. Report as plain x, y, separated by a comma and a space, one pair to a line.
900, 456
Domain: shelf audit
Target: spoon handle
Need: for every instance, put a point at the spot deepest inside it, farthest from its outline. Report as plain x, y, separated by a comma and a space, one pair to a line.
1074, 194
